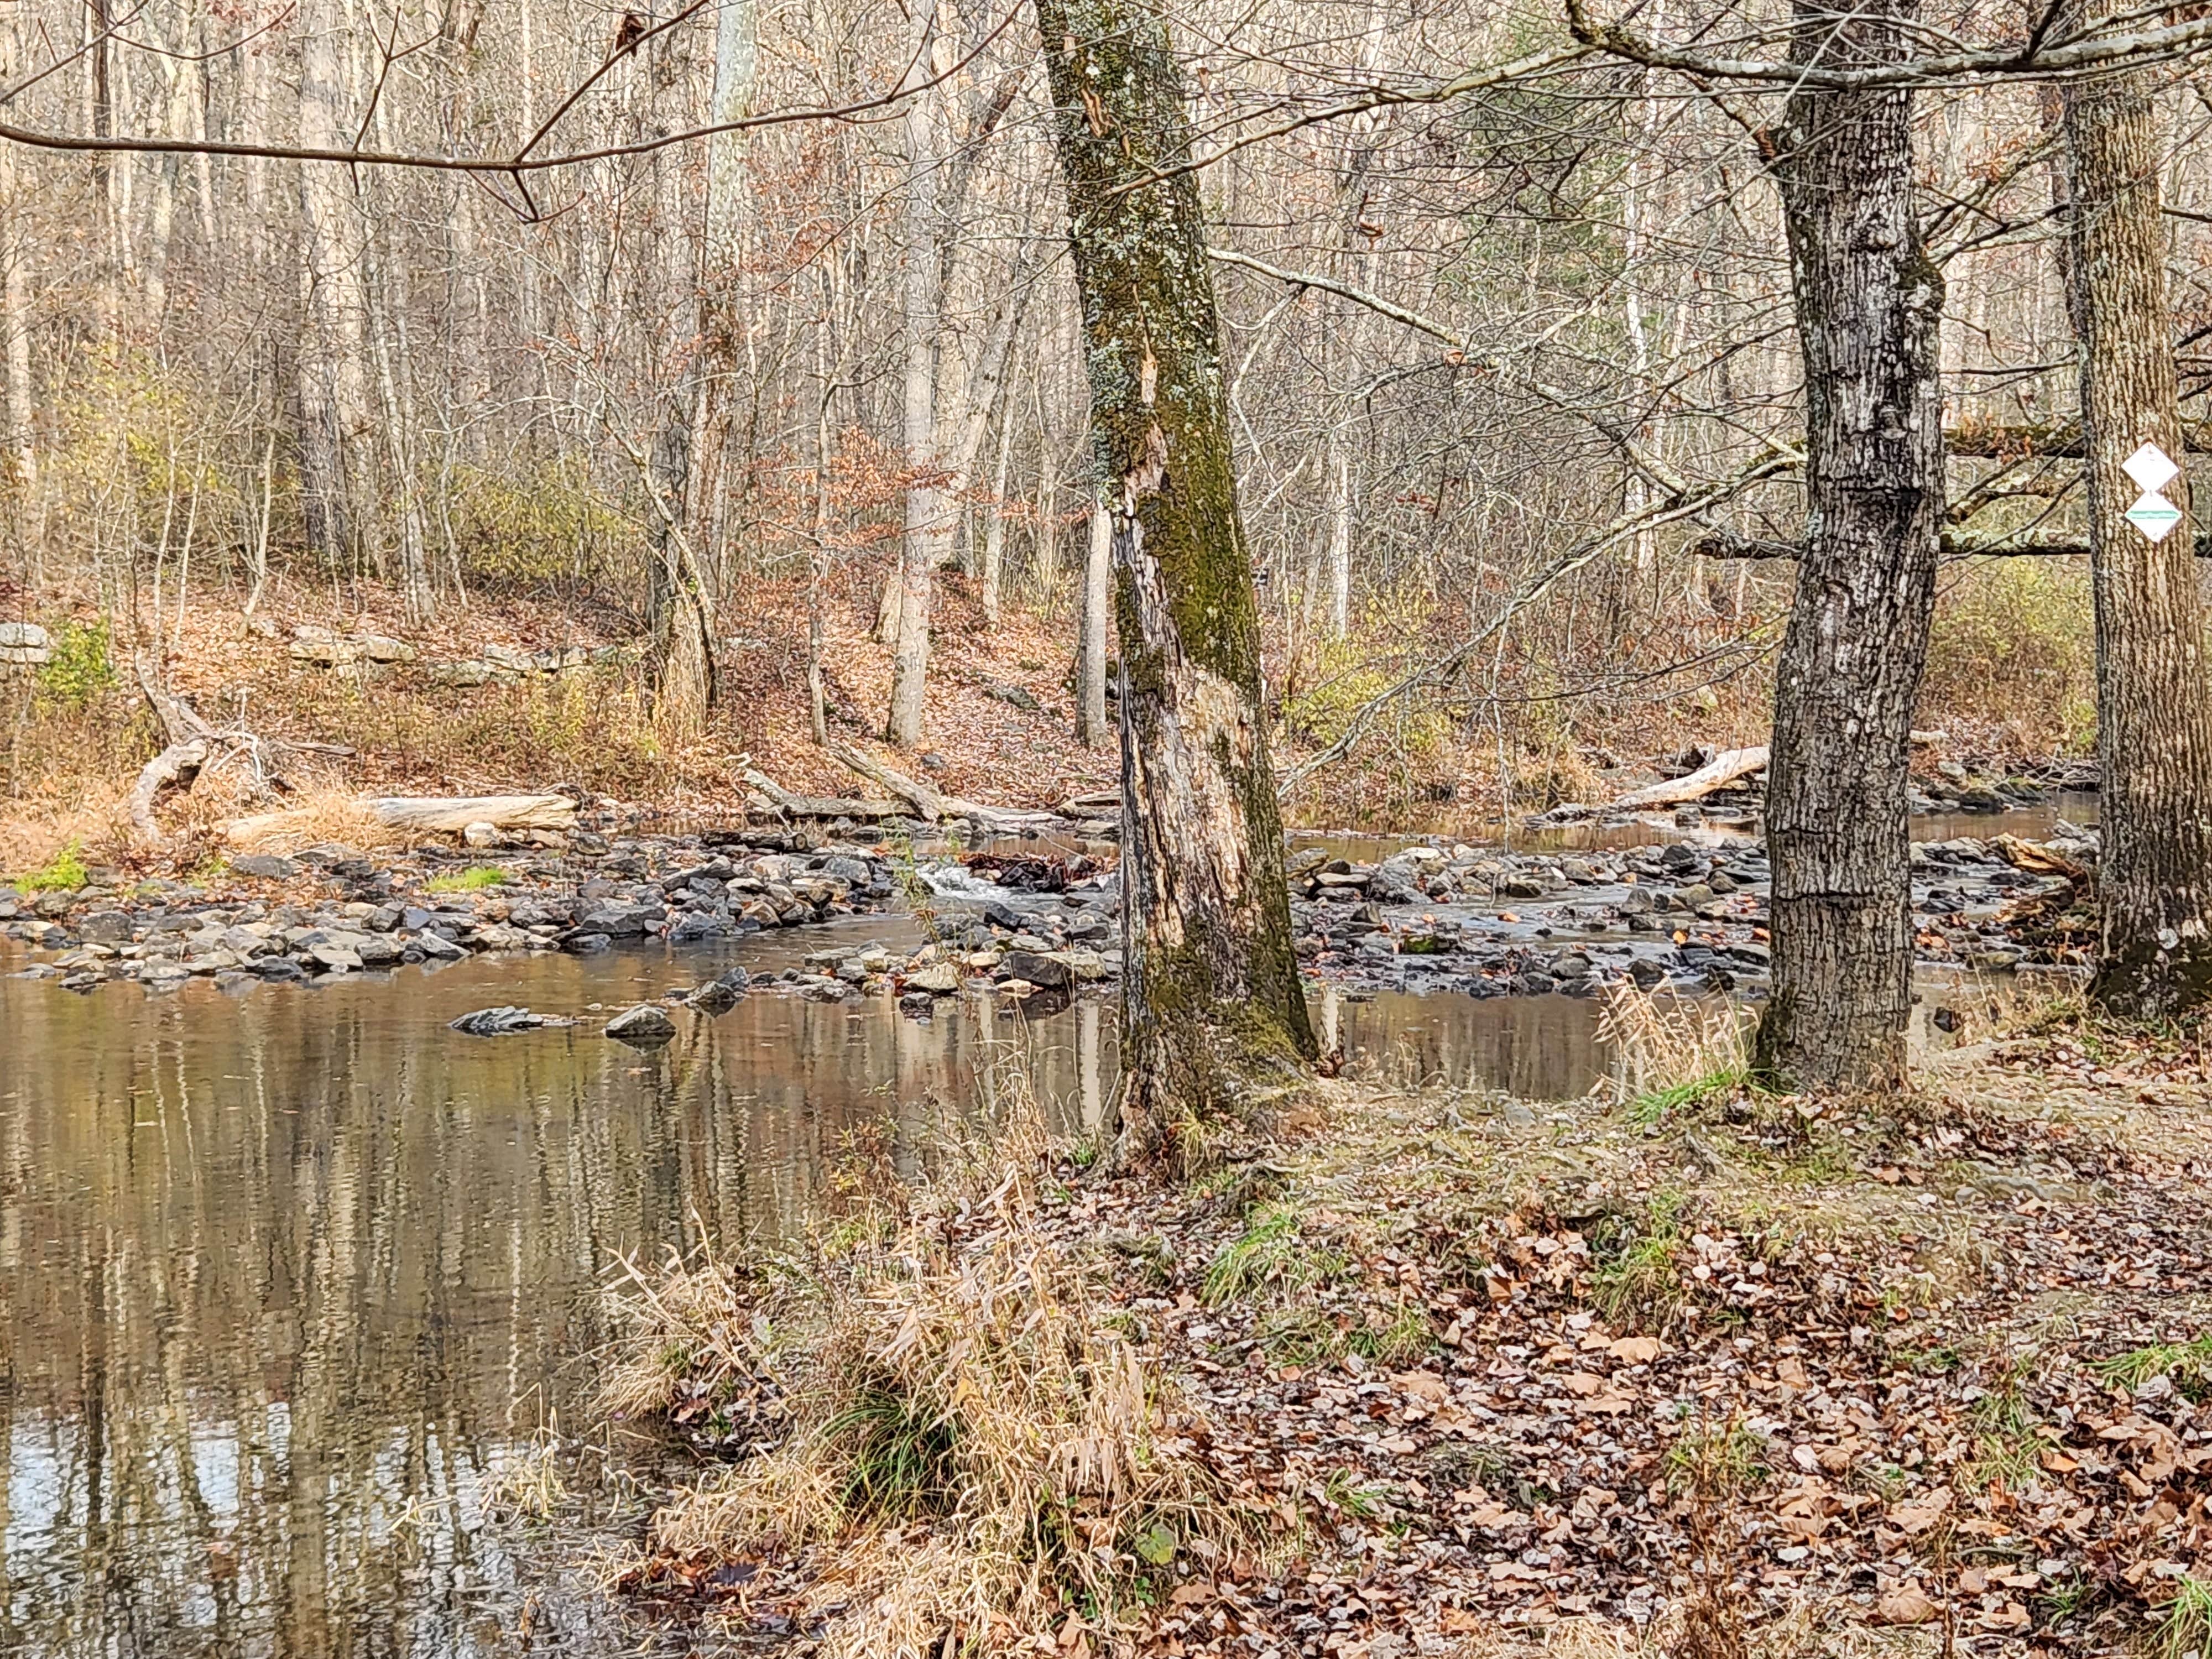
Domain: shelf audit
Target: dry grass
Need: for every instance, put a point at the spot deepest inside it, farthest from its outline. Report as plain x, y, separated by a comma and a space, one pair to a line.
971, 1442
319, 817
1671, 1051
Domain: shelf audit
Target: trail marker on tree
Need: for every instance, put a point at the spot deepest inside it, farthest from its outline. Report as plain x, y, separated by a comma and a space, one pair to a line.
2152, 469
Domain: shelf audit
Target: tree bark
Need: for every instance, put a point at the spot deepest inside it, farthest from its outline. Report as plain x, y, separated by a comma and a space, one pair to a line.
333, 381
1090, 643
928, 527
1212, 1008
1339, 538
1869, 305
2153, 707
993, 563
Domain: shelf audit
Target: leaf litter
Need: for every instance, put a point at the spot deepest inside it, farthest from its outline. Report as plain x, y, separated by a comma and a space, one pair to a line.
1917, 1375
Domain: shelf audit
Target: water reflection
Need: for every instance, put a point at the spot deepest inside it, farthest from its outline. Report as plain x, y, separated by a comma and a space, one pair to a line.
289, 1277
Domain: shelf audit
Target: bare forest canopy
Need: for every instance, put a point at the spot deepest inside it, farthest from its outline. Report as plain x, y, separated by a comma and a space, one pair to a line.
660, 310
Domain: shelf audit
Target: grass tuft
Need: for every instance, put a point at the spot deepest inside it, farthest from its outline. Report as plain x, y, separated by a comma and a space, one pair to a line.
2184, 1629
970, 1437
1270, 1253
2192, 1360
1671, 1053
474, 879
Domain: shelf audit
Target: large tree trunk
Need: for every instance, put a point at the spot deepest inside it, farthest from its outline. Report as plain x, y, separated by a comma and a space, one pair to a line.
1212, 1005
1868, 302
2153, 707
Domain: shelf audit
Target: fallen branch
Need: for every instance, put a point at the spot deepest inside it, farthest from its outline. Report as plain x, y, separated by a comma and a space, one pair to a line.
1723, 769
927, 803
769, 796
179, 764
454, 813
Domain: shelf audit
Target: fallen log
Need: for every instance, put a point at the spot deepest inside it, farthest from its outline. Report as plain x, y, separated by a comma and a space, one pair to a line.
454, 813
1723, 769
179, 764
769, 796
927, 803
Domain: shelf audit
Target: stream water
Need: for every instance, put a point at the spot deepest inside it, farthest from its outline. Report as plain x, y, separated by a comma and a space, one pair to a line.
293, 1277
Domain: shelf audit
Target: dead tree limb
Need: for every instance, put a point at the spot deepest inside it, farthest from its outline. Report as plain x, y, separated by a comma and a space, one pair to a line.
1717, 773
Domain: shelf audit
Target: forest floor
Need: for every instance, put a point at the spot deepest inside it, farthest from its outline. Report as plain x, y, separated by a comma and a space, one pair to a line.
1706, 1372
1000, 717
1000, 713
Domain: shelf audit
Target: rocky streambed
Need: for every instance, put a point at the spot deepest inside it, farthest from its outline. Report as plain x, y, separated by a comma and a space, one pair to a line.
331, 911
1429, 917
1484, 922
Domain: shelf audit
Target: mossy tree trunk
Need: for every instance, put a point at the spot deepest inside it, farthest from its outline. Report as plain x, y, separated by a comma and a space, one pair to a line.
2153, 707
1212, 1008
1868, 302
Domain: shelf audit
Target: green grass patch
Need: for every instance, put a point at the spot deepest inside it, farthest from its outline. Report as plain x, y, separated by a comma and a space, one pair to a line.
902, 1455
473, 880
2190, 1363
1637, 1277
2184, 1629
1270, 1252
1398, 1341
1656, 1106
64, 872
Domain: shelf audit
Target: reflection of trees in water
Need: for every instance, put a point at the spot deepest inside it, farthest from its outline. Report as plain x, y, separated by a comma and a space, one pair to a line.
1537, 1048
288, 1277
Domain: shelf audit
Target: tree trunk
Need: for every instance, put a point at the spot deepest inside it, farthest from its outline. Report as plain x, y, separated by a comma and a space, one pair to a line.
2154, 709
1868, 304
1339, 538
16, 288
929, 526
333, 384
994, 561
1090, 641
1212, 1005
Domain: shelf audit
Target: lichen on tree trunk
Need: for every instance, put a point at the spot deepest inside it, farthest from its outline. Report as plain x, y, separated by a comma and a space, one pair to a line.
1868, 302
2153, 707
1212, 1006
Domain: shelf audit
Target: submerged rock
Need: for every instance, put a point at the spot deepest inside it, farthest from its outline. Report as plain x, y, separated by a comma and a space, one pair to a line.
718, 996
642, 1026
498, 1022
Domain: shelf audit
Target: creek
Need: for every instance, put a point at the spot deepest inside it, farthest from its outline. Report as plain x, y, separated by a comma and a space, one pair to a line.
299, 1283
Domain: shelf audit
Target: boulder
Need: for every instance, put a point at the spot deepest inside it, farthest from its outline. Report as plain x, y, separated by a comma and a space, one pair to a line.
25, 644
616, 919
104, 927
322, 647
938, 979
642, 1026
1038, 969
382, 647
718, 996
498, 1022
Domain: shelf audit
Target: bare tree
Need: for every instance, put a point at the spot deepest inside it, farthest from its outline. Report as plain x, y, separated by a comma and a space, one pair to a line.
2153, 704
1212, 1003
1870, 301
